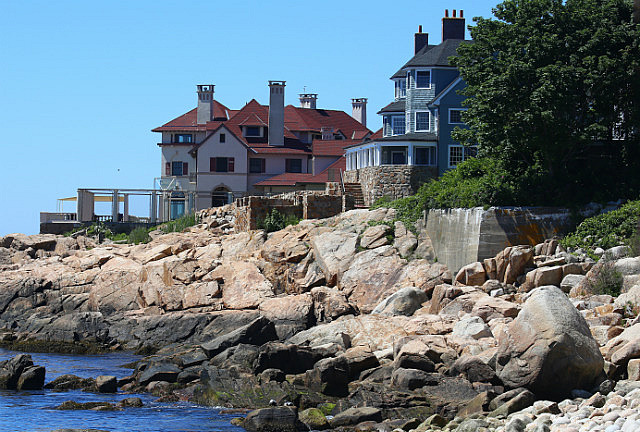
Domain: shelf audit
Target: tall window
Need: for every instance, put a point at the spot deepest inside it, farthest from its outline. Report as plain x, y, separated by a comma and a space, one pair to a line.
423, 79
401, 88
183, 138
256, 165
177, 168
425, 155
422, 121
293, 165
455, 116
222, 164
223, 137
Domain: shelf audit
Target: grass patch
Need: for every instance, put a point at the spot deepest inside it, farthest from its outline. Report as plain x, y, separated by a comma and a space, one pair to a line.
180, 224
607, 280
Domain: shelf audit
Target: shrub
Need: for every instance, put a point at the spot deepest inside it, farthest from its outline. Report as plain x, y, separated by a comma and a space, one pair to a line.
139, 235
607, 280
275, 221
606, 230
179, 224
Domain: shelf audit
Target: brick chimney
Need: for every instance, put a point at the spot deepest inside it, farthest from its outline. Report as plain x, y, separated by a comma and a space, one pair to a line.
359, 111
308, 100
276, 113
205, 103
453, 27
420, 40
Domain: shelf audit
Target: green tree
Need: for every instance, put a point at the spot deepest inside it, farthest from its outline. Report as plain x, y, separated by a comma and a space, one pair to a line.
552, 86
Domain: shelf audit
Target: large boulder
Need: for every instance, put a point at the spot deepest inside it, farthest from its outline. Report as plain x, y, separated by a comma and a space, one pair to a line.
244, 286
329, 304
281, 419
548, 348
257, 332
334, 251
403, 302
289, 313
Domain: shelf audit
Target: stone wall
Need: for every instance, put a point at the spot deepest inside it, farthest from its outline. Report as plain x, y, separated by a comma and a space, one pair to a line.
463, 236
394, 181
303, 205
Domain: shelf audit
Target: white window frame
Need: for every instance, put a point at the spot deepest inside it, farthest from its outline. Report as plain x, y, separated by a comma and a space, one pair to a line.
455, 146
401, 92
415, 120
435, 155
415, 78
401, 119
449, 115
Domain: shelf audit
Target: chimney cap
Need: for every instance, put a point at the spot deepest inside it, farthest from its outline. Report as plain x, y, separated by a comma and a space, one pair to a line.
309, 95
359, 100
205, 87
277, 83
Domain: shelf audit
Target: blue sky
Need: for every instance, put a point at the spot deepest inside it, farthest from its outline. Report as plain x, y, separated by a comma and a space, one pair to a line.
82, 83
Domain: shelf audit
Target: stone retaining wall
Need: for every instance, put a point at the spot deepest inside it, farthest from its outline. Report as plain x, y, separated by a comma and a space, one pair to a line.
250, 210
393, 181
463, 236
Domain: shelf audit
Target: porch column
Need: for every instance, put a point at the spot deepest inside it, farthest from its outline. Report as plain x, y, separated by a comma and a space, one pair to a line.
410, 154
114, 206
153, 209
378, 155
125, 213
190, 203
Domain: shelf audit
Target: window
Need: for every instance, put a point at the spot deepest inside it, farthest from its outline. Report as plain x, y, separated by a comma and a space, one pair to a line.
183, 138
252, 131
455, 116
256, 165
423, 79
422, 121
397, 125
177, 168
458, 153
223, 137
394, 155
221, 164
293, 165
425, 156
401, 88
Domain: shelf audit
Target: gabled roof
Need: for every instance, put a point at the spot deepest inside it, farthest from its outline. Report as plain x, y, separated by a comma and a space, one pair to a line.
432, 55
188, 121
292, 179
447, 89
397, 106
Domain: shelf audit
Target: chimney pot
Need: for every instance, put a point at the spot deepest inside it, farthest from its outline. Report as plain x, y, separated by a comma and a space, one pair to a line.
446, 13
420, 28
454, 13
461, 13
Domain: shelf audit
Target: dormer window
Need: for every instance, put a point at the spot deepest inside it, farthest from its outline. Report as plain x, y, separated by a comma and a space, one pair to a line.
423, 79
394, 125
252, 131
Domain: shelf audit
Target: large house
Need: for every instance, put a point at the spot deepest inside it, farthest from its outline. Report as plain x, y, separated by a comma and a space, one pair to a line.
212, 154
415, 141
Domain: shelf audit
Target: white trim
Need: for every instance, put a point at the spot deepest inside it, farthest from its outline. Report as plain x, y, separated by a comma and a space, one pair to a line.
446, 91
449, 115
451, 146
415, 121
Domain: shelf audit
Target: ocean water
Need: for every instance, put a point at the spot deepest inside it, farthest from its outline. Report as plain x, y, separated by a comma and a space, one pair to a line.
33, 410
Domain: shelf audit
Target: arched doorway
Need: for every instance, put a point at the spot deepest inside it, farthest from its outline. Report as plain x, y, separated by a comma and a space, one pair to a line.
220, 196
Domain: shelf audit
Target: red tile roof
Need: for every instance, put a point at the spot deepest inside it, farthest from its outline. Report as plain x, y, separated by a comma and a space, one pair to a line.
331, 147
188, 121
291, 179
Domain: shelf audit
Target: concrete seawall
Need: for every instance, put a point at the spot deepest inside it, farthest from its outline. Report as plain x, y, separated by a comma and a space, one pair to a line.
463, 236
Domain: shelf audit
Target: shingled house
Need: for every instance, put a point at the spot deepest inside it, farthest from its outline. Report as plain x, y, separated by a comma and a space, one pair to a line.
415, 141
213, 154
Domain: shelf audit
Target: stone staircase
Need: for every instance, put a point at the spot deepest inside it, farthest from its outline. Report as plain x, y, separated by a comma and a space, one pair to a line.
355, 190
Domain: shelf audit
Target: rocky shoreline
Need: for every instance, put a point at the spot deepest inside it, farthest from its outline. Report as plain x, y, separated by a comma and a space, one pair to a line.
346, 323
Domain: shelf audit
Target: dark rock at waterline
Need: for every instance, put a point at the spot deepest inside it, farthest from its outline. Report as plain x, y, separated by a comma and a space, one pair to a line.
96, 406
159, 372
32, 378
19, 373
281, 419
353, 416
132, 402
106, 384
70, 382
